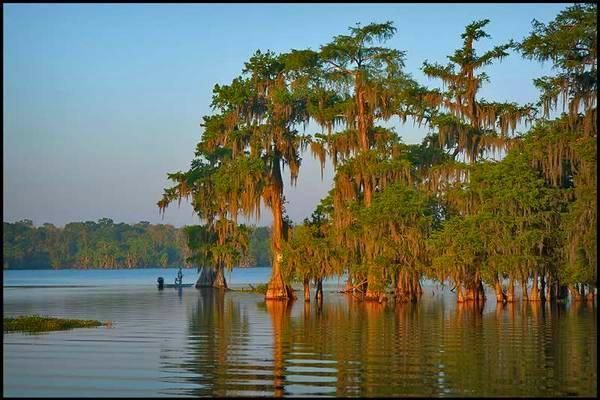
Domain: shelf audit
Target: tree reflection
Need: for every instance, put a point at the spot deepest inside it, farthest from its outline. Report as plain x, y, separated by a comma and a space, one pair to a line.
279, 312
346, 347
215, 324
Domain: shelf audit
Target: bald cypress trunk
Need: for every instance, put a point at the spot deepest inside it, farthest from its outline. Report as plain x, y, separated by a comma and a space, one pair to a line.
220, 282
277, 288
542, 287
574, 292
524, 294
590, 295
470, 291
549, 288
206, 278
400, 290
374, 293
510, 293
417, 289
408, 287
306, 284
319, 291
374, 290
480, 291
535, 294
460, 295
500, 295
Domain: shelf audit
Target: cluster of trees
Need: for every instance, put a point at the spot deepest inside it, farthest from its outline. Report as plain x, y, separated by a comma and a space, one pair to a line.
477, 202
104, 244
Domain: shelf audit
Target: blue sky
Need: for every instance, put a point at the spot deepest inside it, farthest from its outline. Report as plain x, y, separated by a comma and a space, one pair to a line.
101, 101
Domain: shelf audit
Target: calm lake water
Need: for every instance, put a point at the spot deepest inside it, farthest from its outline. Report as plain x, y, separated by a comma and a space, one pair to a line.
206, 343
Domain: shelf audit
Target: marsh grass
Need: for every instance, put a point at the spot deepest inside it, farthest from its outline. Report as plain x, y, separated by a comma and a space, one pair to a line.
36, 323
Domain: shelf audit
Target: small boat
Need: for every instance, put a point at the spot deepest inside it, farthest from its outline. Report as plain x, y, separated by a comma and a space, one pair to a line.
172, 285
161, 284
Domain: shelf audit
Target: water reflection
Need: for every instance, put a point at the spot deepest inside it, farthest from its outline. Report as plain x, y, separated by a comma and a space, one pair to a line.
279, 312
243, 346
210, 343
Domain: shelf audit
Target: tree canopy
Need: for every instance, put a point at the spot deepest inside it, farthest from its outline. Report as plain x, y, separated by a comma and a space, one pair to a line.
496, 192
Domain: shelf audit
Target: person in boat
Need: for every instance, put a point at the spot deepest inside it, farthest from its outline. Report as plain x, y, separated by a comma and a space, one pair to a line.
179, 279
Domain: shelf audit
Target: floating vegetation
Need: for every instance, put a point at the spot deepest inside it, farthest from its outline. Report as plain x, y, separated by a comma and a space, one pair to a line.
36, 323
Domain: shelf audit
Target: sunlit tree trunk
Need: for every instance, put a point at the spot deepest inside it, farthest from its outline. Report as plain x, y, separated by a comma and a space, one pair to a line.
417, 289
475, 290
363, 134
399, 289
500, 295
408, 288
277, 288
590, 295
471, 291
306, 283
535, 293
460, 295
510, 293
524, 294
374, 293
575, 295
374, 289
220, 281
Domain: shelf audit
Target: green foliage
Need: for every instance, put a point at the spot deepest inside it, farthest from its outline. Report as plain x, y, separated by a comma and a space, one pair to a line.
109, 245
397, 212
259, 248
259, 288
504, 222
569, 41
224, 244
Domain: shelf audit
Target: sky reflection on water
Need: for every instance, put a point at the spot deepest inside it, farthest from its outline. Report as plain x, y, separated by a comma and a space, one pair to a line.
204, 342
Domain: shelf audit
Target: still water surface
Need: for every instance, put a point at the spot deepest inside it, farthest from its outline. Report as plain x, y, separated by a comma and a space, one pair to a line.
206, 343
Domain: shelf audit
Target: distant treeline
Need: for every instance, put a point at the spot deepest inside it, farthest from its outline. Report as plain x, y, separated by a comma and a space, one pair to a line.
105, 244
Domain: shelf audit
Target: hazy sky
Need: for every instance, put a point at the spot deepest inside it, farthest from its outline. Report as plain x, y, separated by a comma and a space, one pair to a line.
101, 101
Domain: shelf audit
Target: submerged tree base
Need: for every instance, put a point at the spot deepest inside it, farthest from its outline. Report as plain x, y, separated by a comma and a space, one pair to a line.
211, 278
35, 323
206, 278
277, 289
375, 295
279, 293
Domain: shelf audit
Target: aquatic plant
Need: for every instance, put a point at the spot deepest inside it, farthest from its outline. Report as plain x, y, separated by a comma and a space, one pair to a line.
36, 323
